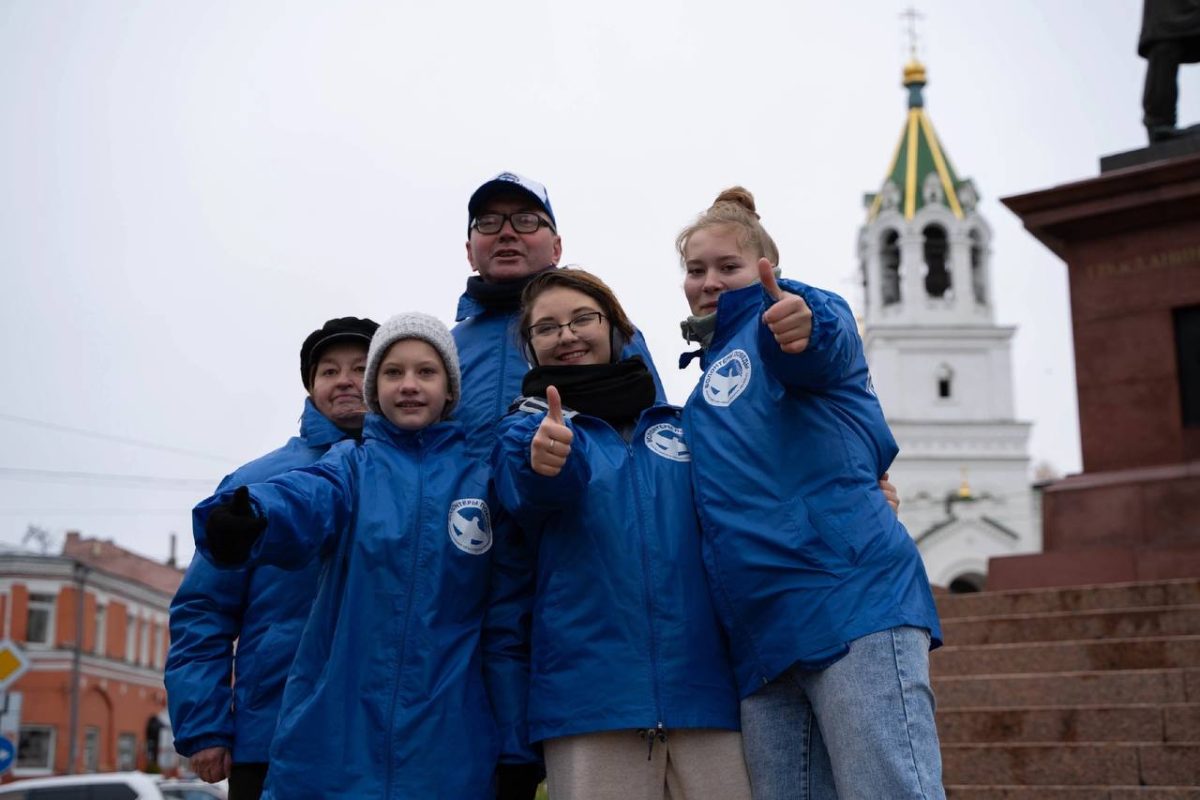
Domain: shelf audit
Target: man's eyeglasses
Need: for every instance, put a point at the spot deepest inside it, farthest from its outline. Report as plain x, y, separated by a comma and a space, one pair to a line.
522, 222
544, 331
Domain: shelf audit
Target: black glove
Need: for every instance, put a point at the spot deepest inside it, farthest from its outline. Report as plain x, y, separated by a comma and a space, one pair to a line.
518, 781
233, 528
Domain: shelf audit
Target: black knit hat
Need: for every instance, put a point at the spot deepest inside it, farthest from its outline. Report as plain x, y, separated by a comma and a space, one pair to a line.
343, 329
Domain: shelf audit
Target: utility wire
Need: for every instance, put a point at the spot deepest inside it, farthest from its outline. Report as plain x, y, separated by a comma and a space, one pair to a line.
104, 478
53, 426
93, 512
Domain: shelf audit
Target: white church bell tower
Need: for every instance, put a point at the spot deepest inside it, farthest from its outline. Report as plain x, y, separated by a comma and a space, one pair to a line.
940, 363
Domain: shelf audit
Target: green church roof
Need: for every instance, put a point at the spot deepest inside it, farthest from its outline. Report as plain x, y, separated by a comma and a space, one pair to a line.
918, 155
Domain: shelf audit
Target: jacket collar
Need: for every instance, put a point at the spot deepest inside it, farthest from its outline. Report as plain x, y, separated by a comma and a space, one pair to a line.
318, 430
734, 308
468, 307
438, 434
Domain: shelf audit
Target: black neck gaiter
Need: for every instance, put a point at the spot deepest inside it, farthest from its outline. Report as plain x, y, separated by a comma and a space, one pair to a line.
616, 393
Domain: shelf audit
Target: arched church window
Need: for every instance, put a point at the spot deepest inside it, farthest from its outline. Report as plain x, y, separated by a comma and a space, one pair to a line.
937, 277
889, 260
945, 381
978, 277
967, 583
932, 190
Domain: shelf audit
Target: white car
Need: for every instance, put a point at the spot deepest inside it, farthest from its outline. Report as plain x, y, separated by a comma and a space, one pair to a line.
193, 790
96, 786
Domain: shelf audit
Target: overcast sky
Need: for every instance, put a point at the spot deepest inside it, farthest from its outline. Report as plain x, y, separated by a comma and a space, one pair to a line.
189, 188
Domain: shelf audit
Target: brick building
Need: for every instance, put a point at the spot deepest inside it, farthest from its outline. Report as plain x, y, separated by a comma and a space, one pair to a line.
122, 646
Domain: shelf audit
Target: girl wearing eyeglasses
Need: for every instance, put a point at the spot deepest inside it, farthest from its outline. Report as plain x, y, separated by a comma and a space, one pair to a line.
820, 589
631, 691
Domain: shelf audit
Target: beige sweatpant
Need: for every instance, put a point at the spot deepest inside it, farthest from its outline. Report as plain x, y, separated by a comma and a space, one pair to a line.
693, 764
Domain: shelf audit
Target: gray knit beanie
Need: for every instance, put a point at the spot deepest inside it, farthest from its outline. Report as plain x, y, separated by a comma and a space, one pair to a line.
413, 325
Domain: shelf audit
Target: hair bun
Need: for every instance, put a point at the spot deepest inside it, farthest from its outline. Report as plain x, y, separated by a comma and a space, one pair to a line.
740, 196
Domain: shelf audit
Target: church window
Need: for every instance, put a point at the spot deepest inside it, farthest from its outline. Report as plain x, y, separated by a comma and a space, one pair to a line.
932, 190
967, 583
945, 379
890, 267
1187, 351
978, 278
937, 277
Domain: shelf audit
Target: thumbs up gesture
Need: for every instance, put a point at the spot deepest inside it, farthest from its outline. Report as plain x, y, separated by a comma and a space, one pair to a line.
790, 318
552, 442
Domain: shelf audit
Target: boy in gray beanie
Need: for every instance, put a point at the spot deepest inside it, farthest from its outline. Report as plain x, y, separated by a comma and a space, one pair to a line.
415, 328
422, 592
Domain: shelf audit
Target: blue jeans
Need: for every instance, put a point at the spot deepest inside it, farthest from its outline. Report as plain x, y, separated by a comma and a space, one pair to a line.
860, 729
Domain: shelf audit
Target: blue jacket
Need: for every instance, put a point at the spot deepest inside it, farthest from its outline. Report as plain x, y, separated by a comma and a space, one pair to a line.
624, 630
493, 366
263, 608
386, 697
804, 554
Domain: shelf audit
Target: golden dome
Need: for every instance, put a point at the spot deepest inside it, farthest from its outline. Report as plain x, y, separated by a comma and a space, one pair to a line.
914, 72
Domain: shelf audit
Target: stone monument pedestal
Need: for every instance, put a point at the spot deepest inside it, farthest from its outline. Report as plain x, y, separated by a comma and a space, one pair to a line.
1131, 242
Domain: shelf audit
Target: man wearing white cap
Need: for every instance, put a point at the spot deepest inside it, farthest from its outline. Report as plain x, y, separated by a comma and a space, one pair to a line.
512, 235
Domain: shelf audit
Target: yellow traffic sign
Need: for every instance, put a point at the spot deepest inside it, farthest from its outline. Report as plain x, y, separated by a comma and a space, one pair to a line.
13, 663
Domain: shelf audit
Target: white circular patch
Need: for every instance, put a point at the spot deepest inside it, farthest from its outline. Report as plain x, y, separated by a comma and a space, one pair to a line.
471, 526
727, 378
666, 440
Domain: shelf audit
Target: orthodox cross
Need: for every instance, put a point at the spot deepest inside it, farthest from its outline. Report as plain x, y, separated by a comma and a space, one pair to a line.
910, 15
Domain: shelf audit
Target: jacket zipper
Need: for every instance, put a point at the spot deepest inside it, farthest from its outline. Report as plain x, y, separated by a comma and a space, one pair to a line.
412, 580
501, 409
658, 731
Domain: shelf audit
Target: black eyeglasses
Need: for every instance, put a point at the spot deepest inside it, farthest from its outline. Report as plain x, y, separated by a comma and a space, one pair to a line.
543, 331
522, 222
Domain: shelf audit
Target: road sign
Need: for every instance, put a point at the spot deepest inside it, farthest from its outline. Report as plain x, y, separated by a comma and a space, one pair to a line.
13, 663
7, 754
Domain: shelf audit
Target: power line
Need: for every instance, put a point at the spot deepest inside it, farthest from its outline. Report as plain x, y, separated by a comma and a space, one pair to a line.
105, 479
53, 426
93, 512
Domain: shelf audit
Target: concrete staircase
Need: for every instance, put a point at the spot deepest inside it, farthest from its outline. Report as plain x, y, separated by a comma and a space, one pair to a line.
1085, 693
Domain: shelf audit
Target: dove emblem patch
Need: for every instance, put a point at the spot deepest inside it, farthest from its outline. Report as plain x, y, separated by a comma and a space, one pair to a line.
666, 440
471, 526
727, 378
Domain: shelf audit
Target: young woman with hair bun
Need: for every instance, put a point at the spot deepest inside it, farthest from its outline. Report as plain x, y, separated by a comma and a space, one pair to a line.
819, 587
631, 691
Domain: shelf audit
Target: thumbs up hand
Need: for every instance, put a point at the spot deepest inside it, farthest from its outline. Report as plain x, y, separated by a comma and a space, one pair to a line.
790, 318
552, 442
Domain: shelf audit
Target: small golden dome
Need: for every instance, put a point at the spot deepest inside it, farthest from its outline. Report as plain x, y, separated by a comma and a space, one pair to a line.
914, 72
964, 488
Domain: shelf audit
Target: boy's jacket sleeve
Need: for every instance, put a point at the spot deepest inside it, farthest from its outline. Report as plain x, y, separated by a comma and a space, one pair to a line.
306, 510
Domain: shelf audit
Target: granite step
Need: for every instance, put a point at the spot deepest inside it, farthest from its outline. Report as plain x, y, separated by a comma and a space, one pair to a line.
1080, 598
1113, 687
1072, 625
1109, 764
1159, 652
1072, 793
1168, 723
